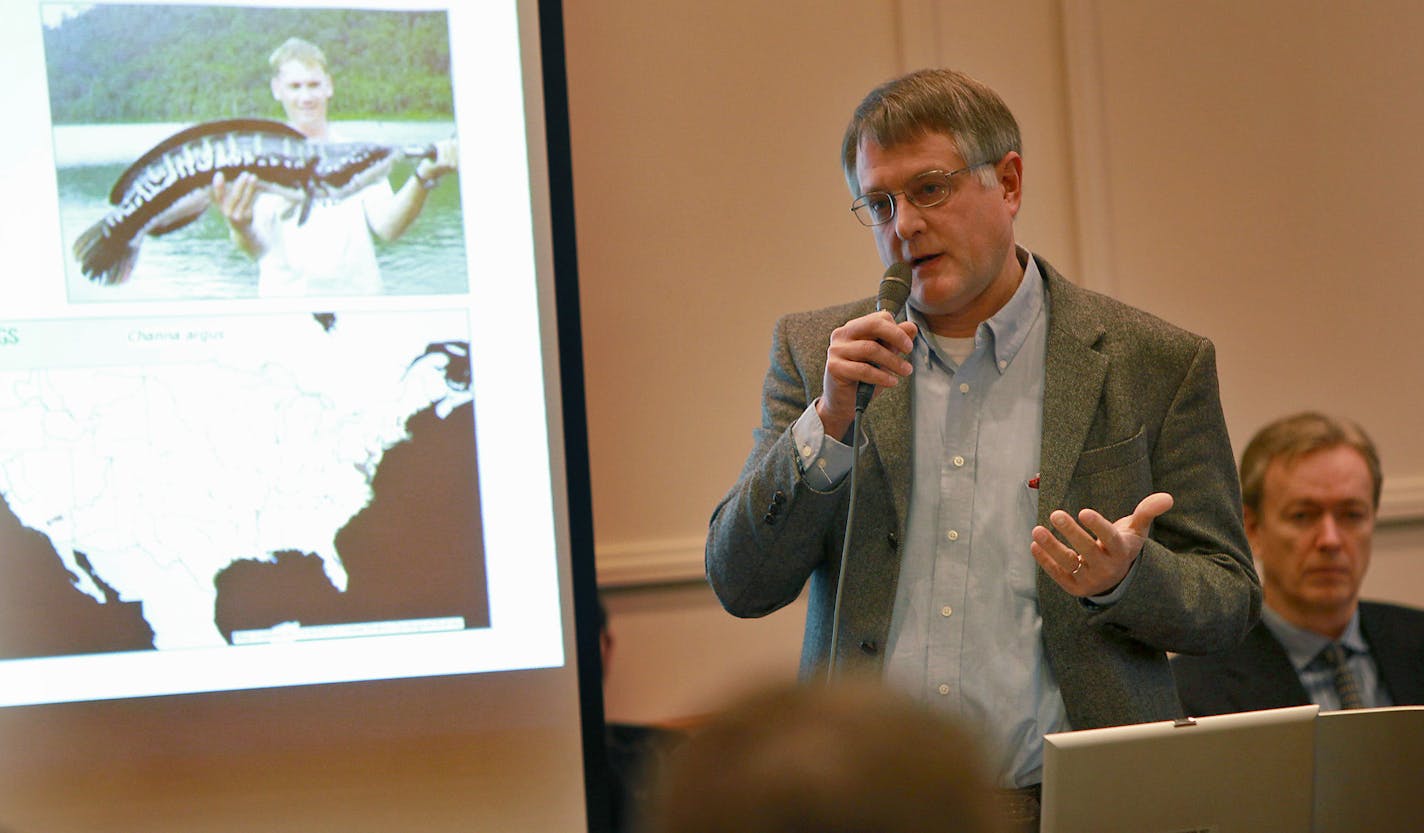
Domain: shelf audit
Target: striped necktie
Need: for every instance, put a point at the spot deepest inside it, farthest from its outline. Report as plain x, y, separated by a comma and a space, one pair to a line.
1349, 690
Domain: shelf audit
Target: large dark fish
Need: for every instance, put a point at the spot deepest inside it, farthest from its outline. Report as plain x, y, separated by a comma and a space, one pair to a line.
170, 185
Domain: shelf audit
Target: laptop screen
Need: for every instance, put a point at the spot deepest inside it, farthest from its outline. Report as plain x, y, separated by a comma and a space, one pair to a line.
1369, 768
1236, 773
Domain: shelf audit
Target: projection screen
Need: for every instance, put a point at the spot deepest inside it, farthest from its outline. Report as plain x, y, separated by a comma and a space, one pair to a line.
294, 523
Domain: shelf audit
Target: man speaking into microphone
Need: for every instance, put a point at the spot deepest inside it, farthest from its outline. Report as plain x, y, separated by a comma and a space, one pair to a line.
1048, 501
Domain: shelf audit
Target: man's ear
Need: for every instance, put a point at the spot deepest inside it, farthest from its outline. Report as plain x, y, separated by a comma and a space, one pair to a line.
1010, 176
1251, 521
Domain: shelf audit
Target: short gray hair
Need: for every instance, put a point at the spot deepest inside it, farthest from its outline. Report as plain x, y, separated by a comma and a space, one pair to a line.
931, 101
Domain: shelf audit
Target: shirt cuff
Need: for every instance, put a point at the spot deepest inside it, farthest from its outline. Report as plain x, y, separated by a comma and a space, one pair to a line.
823, 461
1111, 597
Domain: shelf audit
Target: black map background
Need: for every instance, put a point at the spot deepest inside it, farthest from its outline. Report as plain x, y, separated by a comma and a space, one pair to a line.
415, 551
41, 612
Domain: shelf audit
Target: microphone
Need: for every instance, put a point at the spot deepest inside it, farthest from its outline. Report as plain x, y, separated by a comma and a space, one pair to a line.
894, 289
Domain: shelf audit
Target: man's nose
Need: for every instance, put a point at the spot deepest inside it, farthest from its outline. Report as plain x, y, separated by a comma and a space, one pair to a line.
1328, 536
908, 219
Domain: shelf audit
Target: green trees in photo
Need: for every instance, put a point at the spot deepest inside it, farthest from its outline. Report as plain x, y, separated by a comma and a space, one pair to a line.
117, 64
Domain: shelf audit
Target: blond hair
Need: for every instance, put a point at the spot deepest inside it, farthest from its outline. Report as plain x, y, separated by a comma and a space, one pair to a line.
296, 49
1292, 437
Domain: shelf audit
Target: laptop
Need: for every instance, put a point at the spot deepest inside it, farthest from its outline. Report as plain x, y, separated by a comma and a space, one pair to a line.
1251, 772
1369, 770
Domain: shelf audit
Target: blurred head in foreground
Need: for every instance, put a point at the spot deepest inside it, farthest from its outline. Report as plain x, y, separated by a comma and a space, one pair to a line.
846, 758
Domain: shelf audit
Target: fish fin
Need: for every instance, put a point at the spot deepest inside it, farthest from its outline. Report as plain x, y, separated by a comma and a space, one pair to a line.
186, 214
121, 270
306, 205
341, 170
126, 179
105, 259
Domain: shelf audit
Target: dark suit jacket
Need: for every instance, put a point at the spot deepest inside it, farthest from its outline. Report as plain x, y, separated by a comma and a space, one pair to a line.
1257, 674
1130, 406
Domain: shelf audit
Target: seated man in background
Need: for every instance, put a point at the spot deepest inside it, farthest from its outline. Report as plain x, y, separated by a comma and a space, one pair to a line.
831, 759
1310, 485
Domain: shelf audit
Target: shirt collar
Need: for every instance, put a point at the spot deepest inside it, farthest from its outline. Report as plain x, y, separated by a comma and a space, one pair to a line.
1007, 329
1303, 646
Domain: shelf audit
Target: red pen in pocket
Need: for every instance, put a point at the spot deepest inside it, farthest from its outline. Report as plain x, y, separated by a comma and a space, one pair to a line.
1033, 482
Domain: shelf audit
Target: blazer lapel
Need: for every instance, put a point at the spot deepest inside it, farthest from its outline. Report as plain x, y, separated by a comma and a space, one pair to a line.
1073, 380
887, 423
1263, 673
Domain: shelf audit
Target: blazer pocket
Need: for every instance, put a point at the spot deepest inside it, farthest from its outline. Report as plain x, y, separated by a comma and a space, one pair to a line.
1109, 457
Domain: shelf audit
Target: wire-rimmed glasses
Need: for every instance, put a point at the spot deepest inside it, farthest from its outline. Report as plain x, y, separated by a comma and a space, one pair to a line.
925, 190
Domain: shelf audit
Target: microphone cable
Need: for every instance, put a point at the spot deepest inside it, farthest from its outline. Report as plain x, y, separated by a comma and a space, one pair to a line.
894, 289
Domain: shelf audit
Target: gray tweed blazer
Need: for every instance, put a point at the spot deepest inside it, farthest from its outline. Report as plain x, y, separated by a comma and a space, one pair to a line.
1131, 406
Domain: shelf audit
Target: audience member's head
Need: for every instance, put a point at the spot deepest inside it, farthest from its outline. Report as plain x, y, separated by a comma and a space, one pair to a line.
1310, 487
847, 758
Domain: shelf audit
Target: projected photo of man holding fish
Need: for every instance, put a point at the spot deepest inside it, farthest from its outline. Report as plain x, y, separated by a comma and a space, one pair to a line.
304, 207
330, 243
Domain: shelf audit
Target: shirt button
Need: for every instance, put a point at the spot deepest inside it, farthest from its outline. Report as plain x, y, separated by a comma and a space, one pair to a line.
805, 451
958, 461
963, 387
1003, 364
821, 464
944, 688
952, 535
946, 611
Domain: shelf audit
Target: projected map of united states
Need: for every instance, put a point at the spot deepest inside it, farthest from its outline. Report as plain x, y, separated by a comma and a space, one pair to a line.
173, 485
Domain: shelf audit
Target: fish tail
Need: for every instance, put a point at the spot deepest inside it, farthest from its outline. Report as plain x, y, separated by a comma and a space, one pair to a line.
104, 258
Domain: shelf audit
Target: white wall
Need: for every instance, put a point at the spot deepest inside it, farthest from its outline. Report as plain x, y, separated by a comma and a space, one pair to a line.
705, 144
1241, 168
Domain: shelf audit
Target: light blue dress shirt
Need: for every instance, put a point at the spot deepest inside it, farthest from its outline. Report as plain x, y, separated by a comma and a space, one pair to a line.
1304, 647
965, 633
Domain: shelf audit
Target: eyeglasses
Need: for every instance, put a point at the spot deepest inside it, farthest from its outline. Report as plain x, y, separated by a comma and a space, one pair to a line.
926, 190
